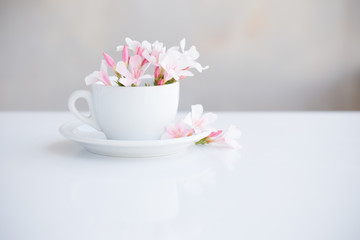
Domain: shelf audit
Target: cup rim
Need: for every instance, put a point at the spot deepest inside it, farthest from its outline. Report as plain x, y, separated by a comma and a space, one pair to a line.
148, 87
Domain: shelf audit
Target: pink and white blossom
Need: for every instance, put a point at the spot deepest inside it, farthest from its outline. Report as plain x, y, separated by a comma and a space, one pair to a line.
175, 64
192, 54
157, 72
161, 82
137, 47
229, 137
110, 61
99, 76
153, 54
177, 130
136, 73
197, 121
125, 55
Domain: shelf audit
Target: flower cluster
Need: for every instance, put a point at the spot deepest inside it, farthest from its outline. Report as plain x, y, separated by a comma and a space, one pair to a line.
169, 65
196, 122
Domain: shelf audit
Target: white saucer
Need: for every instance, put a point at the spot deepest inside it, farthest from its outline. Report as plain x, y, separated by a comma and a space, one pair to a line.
96, 142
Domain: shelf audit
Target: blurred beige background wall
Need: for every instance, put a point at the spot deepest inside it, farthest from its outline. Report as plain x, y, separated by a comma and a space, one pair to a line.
263, 55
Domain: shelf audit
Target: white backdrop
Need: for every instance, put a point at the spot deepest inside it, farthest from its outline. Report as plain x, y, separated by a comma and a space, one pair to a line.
263, 55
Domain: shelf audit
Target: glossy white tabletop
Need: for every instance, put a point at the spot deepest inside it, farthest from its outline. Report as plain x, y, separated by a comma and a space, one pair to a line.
297, 177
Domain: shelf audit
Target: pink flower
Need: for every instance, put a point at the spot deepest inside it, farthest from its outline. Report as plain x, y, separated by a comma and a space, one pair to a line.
177, 130
175, 64
229, 137
137, 47
125, 55
153, 54
215, 134
197, 121
136, 72
192, 54
157, 72
161, 82
109, 60
99, 76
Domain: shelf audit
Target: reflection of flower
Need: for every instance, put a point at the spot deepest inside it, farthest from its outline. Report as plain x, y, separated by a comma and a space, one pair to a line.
197, 120
99, 76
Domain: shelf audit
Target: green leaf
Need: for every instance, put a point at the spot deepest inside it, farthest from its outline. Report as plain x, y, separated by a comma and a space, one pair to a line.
201, 141
170, 81
118, 75
119, 83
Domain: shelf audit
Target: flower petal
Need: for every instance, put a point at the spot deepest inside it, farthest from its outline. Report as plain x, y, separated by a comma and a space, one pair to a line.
172, 74
113, 80
193, 53
186, 73
146, 45
134, 63
196, 111
119, 48
125, 55
198, 67
133, 45
215, 133
188, 120
146, 76
209, 118
127, 81
182, 44
122, 69
92, 78
105, 78
103, 66
109, 60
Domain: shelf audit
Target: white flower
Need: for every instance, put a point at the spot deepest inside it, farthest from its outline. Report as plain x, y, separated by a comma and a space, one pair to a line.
177, 130
135, 46
99, 76
197, 121
136, 72
192, 54
153, 55
229, 137
175, 65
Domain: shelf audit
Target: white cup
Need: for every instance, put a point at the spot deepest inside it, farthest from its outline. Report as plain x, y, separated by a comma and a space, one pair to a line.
129, 113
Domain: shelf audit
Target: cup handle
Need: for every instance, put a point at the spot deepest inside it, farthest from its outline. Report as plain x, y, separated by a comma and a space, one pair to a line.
90, 120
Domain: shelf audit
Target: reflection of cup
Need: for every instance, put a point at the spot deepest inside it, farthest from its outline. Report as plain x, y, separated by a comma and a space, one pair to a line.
129, 113
150, 202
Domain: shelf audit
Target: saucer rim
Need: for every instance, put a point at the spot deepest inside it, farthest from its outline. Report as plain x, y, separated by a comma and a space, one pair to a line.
67, 129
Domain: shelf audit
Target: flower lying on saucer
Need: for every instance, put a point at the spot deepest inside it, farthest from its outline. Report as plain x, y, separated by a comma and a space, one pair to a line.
177, 130
196, 122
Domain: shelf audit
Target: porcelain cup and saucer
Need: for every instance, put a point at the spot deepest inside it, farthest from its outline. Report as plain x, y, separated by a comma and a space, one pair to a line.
127, 121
